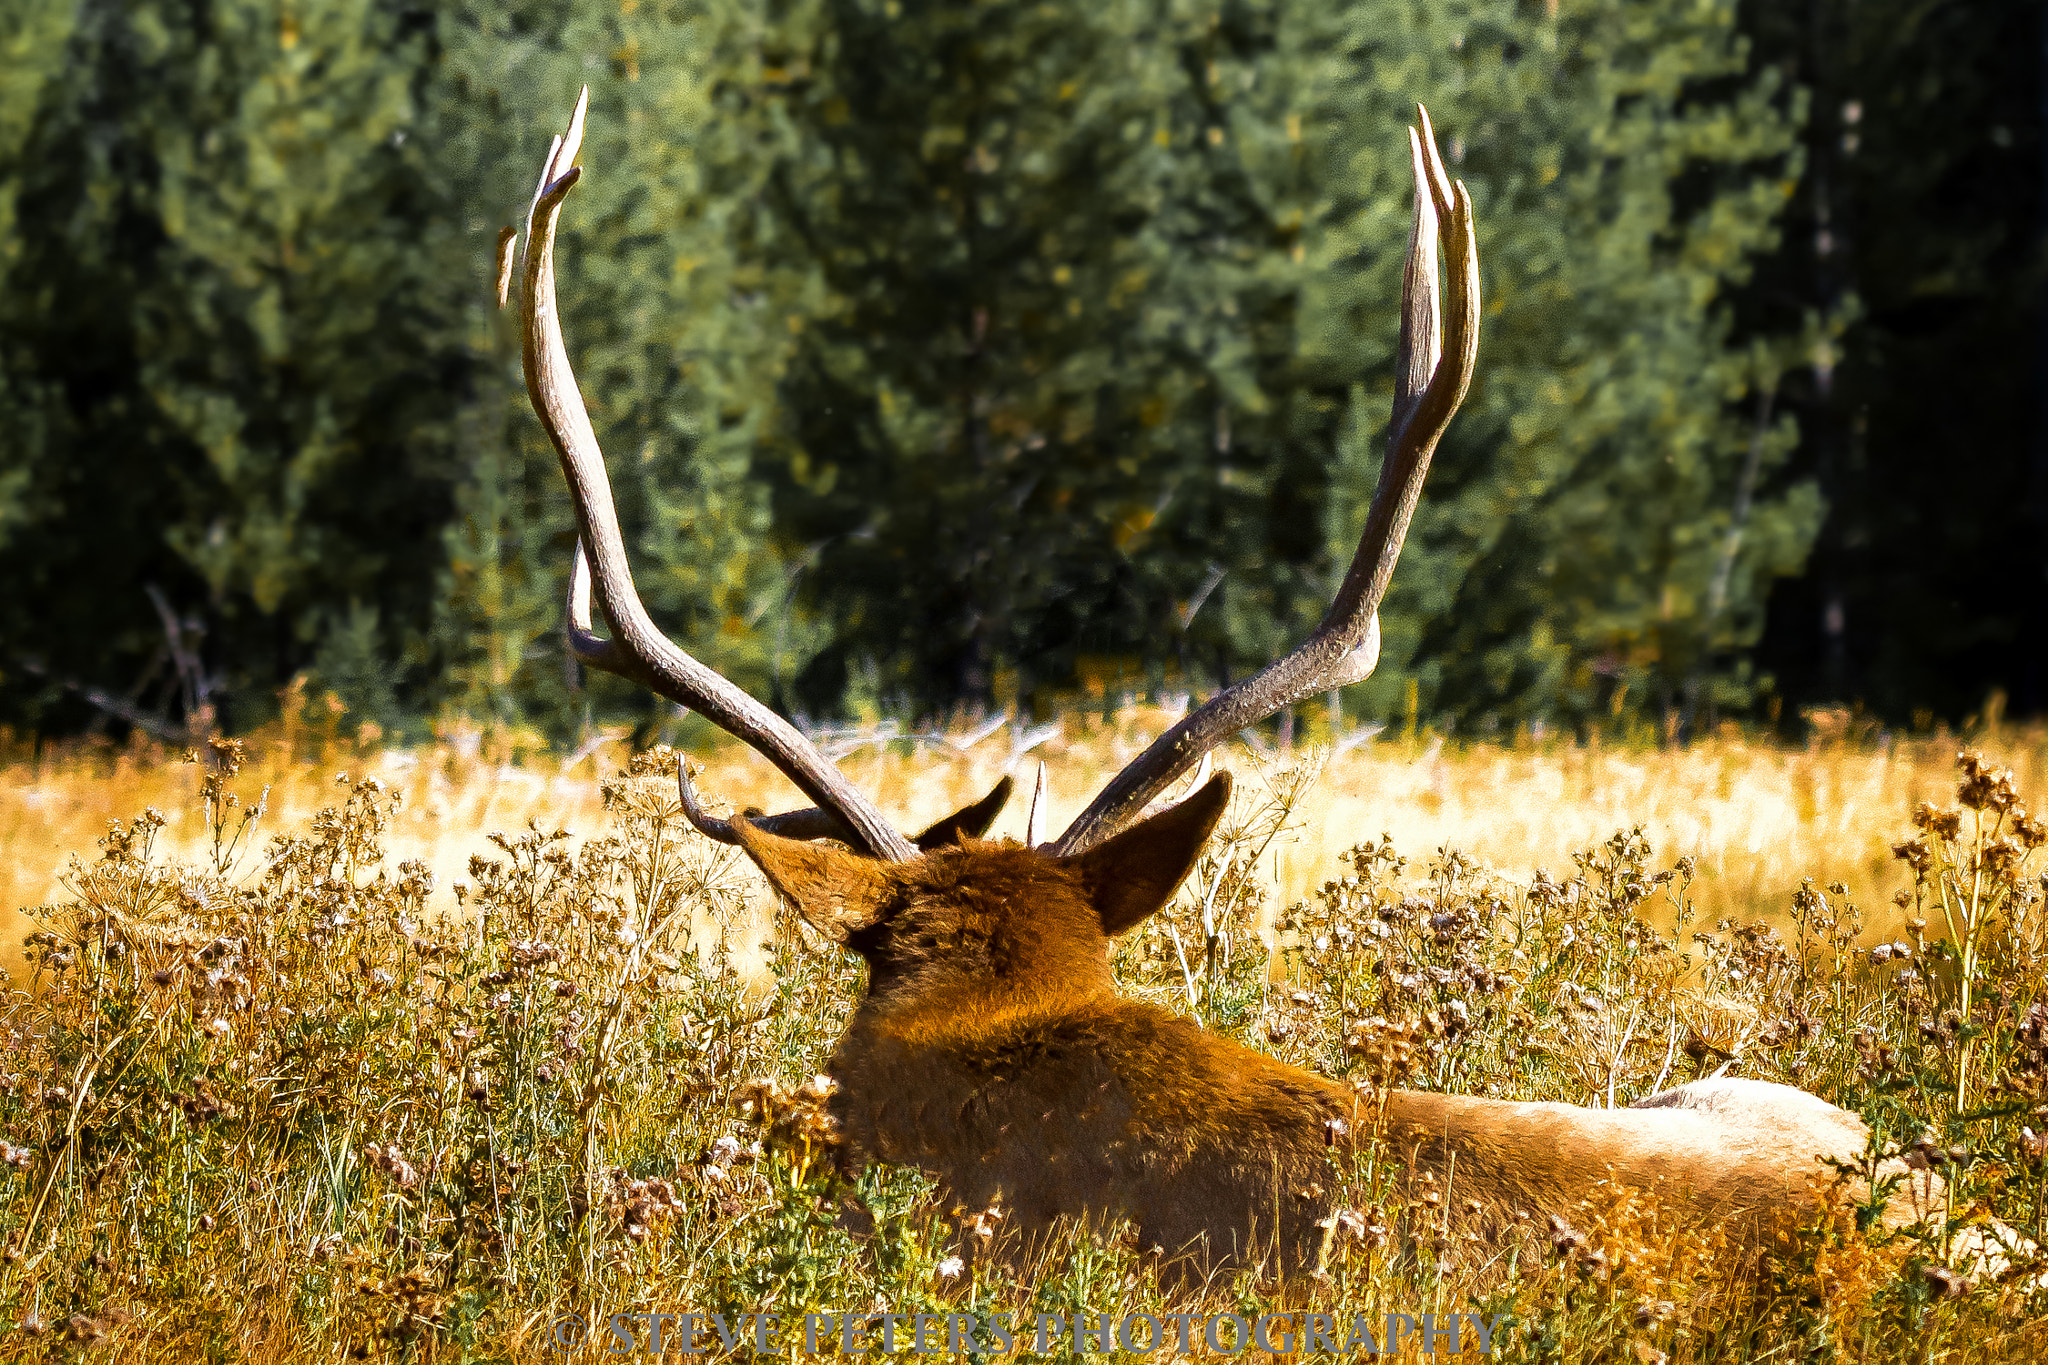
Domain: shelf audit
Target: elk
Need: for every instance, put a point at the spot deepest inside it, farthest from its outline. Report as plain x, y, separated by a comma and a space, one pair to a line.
991, 1047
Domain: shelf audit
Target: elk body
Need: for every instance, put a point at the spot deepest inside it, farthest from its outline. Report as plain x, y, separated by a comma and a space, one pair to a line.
993, 1050
991, 1047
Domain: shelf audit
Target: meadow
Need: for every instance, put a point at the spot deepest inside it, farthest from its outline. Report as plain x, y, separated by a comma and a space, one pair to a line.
1755, 816
452, 1041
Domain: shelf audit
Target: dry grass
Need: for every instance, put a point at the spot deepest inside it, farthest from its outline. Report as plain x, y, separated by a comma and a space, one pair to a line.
268, 1106
1756, 816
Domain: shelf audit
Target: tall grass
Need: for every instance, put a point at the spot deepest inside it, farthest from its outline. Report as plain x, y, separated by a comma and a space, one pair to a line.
1755, 816
308, 1100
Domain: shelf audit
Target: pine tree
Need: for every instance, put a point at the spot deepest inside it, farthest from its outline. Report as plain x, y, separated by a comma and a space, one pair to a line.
230, 297
677, 310
1625, 172
1107, 355
958, 439
942, 352
33, 39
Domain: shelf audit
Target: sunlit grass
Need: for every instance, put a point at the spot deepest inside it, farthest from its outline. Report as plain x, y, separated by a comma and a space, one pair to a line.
263, 1102
1757, 816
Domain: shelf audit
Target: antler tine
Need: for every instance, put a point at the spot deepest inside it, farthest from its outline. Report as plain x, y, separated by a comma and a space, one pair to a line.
812, 823
808, 823
1433, 370
637, 649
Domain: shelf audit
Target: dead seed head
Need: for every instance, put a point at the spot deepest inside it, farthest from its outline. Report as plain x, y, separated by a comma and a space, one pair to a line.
1943, 822
1946, 1283
1984, 786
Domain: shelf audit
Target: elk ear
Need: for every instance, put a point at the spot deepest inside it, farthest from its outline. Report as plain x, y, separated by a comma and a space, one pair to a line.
969, 822
839, 893
1135, 873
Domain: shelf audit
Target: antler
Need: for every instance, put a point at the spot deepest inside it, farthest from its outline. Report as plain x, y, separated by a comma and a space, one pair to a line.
969, 822
637, 649
1345, 647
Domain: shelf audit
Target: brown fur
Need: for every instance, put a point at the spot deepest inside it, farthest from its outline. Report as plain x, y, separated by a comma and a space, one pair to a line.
992, 1050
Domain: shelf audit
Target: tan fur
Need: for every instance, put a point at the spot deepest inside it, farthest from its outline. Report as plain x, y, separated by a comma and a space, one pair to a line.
992, 1050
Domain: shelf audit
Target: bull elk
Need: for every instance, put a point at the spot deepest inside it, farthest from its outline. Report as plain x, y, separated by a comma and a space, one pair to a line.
991, 1047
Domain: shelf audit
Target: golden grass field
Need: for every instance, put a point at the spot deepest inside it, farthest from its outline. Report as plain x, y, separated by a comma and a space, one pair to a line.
1757, 815
298, 1101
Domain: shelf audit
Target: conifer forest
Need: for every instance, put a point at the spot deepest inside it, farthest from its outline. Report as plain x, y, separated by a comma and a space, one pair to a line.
960, 356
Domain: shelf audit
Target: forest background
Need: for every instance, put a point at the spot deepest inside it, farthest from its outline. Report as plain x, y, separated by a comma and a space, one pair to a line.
993, 354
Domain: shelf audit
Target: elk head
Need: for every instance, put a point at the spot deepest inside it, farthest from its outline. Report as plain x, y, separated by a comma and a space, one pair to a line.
981, 926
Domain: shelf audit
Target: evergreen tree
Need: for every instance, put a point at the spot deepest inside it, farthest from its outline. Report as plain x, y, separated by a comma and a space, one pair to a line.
33, 37
678, 307
228, 298
1578, 544
1108, 348
1060, 337
962, 436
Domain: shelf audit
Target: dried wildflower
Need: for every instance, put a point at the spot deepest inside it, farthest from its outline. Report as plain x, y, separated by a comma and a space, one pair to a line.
1940, 822
1984, 787
531, 952
1925, 1153
391, 1161
1366, 1228
1946, 1283
796, 1121
982, 1224
641, 1205
2003, 856
200, 1106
